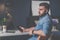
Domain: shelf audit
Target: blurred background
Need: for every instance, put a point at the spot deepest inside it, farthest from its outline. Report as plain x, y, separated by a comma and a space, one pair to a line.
19, 13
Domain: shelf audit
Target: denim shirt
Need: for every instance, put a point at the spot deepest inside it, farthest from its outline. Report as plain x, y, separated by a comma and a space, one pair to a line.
44, 24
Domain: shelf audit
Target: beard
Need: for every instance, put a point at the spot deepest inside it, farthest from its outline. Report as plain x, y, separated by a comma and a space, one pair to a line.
42, 14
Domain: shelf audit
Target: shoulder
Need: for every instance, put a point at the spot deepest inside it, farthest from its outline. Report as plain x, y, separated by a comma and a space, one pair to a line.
47, 18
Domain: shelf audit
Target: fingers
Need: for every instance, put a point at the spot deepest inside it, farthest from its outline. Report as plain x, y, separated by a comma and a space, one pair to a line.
21, 28
38, 37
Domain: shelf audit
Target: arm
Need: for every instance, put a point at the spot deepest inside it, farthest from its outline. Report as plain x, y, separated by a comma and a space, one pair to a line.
26, 29
46, 28
39, 32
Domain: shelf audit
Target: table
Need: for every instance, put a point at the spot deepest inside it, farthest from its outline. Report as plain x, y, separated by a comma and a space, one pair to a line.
14, 35
17, 32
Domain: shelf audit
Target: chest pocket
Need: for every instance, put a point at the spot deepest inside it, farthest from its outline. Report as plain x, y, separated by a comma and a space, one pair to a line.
39, 26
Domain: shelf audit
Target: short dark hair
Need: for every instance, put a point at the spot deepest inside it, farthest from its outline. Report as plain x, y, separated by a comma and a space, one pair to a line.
45, 4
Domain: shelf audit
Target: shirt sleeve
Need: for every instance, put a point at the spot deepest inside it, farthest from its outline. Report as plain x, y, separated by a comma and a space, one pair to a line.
47, 27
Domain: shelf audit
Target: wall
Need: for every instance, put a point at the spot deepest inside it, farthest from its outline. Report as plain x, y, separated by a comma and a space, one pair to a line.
22, 10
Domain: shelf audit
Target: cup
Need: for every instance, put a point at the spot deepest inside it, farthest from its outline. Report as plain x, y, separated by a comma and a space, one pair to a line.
4, 28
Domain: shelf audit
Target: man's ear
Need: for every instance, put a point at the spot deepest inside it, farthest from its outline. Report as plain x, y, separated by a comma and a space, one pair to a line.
46, 11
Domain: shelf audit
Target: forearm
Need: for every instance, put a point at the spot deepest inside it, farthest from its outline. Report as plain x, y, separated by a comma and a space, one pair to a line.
28, 29
39, 32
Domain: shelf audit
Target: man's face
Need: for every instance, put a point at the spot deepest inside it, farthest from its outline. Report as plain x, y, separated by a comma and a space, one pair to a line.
42, 10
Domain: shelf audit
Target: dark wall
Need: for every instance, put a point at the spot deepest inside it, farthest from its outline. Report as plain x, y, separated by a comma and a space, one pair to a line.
22, 10
55, 8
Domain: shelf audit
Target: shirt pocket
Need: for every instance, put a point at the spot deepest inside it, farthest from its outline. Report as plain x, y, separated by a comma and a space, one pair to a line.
39, 26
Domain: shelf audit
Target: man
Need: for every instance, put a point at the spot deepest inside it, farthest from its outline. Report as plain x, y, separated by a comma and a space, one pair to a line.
44, 25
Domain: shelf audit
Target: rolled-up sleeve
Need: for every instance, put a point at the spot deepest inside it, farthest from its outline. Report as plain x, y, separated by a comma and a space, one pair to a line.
46, 27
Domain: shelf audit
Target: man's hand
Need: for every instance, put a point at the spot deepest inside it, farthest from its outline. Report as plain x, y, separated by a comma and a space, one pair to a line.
29, 30
21, 28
